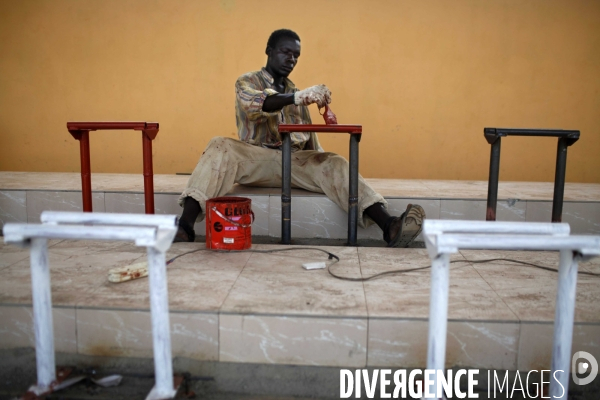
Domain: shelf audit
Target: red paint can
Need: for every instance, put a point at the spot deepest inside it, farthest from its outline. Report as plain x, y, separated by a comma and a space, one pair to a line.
229, 223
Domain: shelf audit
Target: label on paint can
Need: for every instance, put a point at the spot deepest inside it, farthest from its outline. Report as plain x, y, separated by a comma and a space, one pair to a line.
228, 223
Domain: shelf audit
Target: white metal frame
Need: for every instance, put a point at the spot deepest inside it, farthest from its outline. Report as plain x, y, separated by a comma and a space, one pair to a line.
155, 232
445, 237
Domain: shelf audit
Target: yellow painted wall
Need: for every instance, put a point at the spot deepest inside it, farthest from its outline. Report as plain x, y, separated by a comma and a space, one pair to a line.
422, 77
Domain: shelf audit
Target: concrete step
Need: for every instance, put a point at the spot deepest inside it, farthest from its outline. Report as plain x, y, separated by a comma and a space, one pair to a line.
264, 313
24, 195
243, 307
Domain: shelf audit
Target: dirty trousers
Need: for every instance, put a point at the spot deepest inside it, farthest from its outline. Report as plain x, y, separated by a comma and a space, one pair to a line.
228, 161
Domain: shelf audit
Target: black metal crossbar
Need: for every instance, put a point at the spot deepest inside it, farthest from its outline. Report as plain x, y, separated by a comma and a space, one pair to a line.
355, 132
565, 139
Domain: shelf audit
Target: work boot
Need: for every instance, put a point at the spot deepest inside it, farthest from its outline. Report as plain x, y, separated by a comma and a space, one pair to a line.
401, 231
184, 234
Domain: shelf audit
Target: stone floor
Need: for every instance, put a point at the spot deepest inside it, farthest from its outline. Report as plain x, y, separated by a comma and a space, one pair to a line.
257, 309
248, 307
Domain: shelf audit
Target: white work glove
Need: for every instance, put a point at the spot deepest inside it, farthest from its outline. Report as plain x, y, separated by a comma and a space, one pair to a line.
315, 94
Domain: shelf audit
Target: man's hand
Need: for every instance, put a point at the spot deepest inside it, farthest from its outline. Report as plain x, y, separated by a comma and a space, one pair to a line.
315, 94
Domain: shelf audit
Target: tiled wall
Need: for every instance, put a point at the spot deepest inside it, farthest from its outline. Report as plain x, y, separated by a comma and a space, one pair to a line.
291, 340
13, 206
312, 216
353, 340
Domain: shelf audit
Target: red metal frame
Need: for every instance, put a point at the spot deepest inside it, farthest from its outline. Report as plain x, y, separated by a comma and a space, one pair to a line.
81, 132
351, 129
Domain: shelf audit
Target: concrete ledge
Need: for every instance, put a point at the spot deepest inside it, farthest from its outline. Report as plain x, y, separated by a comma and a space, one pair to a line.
24, 195
264, 308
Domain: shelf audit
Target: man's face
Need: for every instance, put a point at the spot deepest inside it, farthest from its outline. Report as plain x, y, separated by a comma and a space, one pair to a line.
284, 56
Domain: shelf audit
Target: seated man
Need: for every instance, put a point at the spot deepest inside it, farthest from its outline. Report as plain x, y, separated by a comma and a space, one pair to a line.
265, 99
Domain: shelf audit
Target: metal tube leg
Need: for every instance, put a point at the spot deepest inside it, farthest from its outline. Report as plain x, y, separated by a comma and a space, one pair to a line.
148, 174
86, 173
161, 333
492, 197
286, 189
438, 313
559, 179
563, 324
42, 313
353, 191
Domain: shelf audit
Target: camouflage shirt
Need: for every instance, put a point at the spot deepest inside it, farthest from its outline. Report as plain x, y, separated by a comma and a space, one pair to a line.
258, 127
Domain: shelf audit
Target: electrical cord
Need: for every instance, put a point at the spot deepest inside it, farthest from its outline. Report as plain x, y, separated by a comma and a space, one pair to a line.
379, 275
331, 255
402, 271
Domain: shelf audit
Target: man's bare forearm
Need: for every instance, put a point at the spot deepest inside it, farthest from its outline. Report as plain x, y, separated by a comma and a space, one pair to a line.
276, 102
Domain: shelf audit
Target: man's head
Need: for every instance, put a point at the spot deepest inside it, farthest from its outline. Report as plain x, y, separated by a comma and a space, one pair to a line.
283, 50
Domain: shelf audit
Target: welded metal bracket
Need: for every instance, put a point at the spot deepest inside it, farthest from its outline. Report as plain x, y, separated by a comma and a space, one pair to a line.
155, 232
565, 139
81, 132
443, 238
285, 130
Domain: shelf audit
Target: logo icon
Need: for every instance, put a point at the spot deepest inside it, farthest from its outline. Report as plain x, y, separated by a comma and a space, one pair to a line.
218, 226
581, 367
